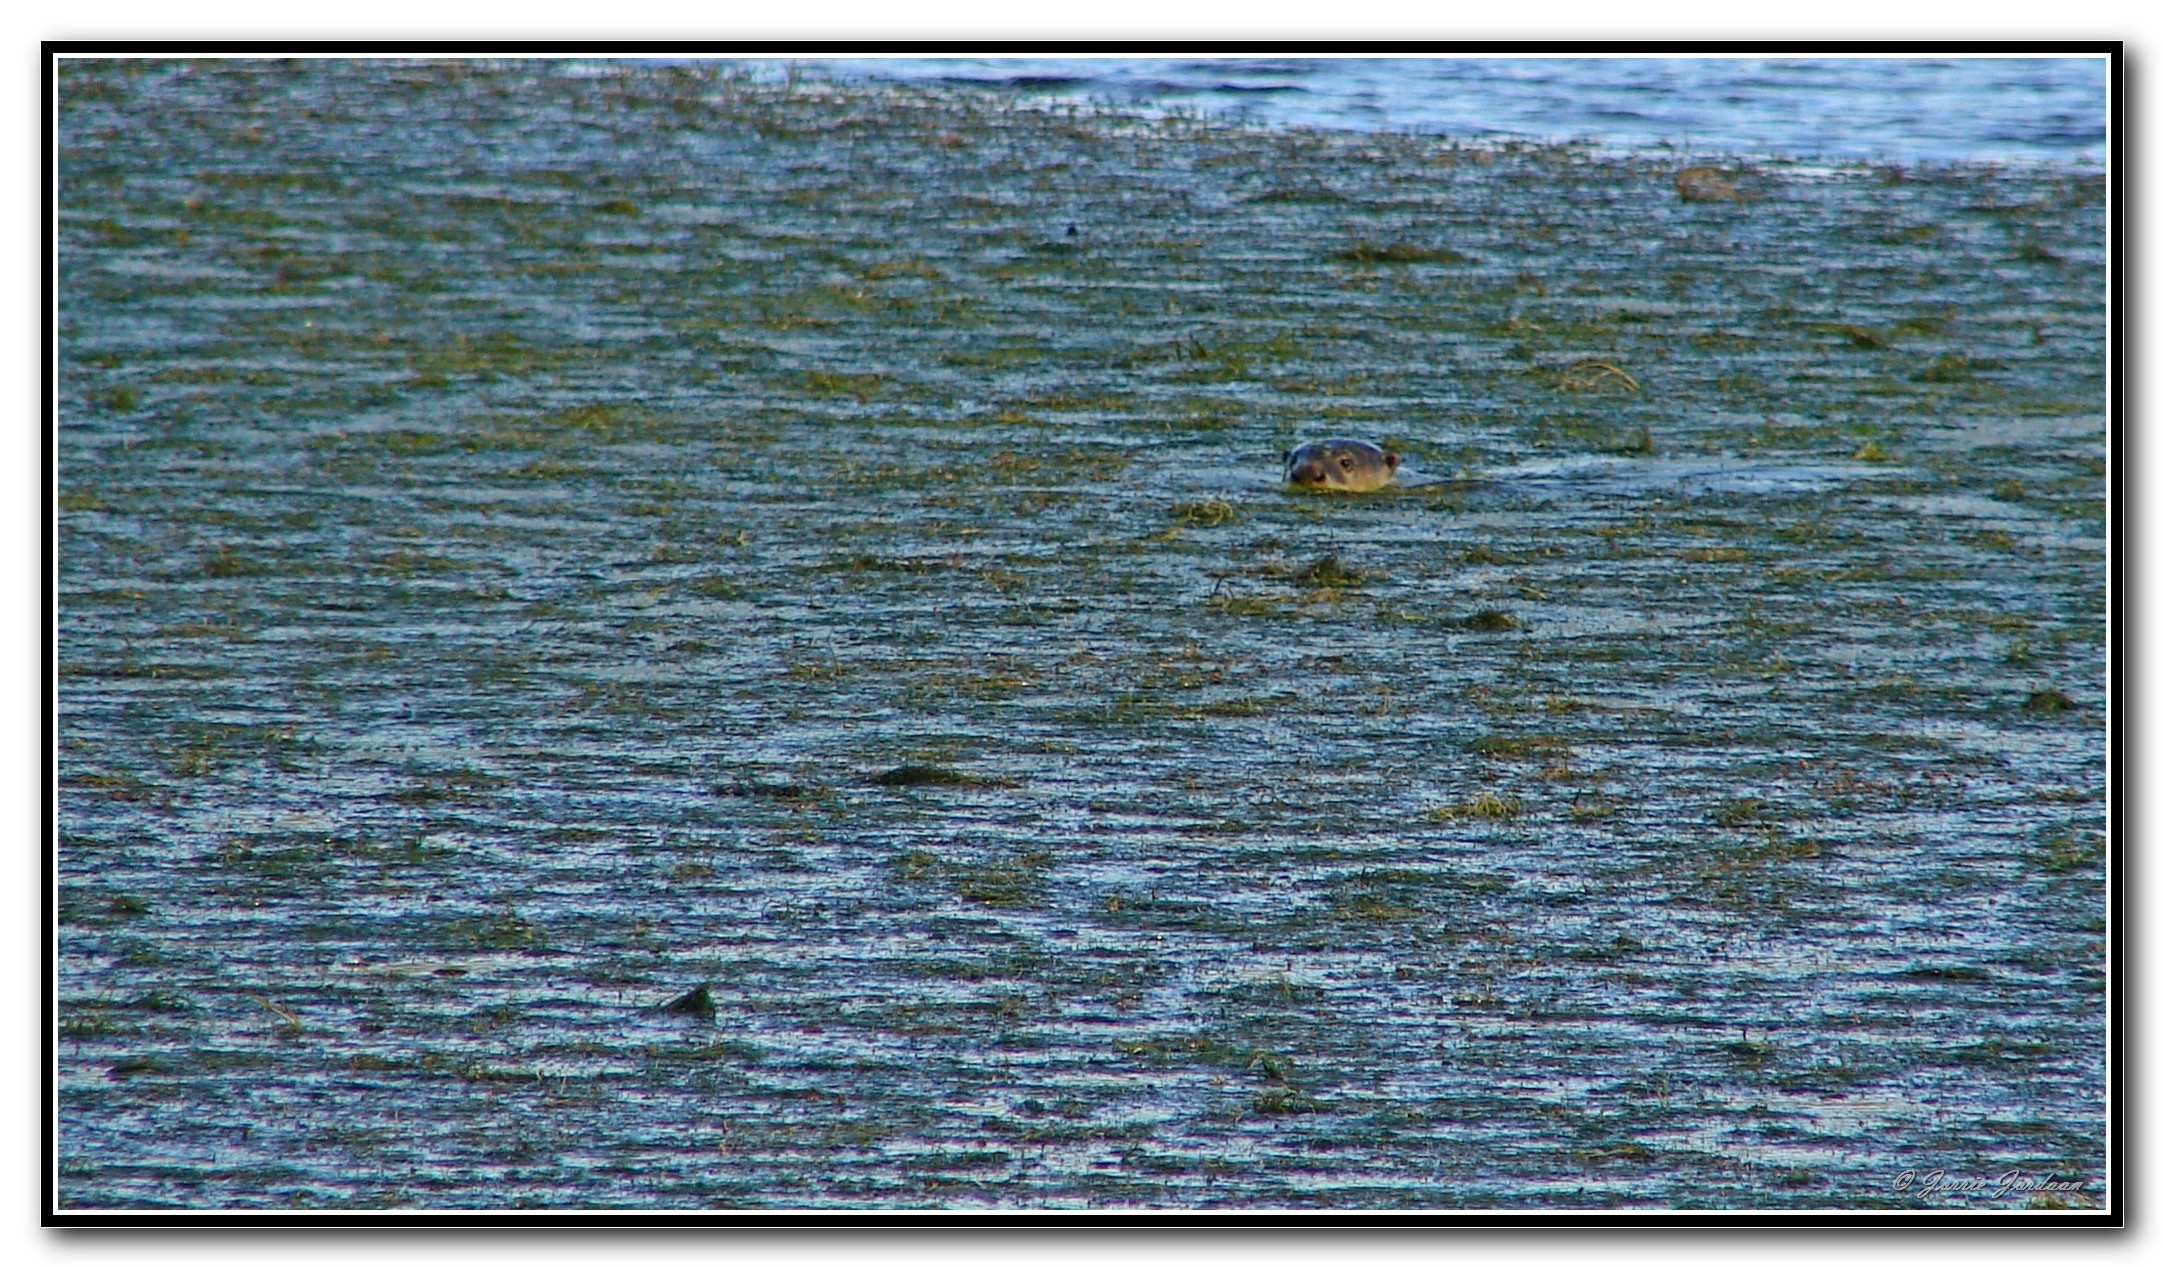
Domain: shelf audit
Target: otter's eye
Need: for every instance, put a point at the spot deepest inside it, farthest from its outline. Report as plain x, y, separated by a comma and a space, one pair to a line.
1345, 463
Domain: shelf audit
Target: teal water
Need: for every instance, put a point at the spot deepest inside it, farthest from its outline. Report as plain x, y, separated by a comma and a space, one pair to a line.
538, 541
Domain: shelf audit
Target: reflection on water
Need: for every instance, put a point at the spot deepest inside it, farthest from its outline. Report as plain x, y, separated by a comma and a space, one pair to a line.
1901, 109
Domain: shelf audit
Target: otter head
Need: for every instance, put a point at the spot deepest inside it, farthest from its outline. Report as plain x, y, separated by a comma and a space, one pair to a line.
1354, 466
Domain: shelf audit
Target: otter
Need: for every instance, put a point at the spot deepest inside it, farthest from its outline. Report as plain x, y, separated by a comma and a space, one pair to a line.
1354, 466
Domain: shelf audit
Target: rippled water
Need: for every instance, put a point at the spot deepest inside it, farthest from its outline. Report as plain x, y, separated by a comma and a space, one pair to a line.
537, 543
1906, 109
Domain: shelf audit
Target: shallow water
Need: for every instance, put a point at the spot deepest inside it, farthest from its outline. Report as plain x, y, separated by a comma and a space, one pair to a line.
536, 541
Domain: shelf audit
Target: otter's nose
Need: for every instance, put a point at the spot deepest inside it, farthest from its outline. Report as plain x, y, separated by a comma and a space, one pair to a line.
1308, 473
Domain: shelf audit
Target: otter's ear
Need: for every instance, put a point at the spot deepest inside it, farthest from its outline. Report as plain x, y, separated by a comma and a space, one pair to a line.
1390, 460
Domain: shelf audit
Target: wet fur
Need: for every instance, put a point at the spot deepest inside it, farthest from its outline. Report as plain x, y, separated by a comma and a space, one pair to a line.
1351, 466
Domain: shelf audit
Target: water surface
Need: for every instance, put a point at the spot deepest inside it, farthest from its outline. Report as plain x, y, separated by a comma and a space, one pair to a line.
539, 543
1903, 109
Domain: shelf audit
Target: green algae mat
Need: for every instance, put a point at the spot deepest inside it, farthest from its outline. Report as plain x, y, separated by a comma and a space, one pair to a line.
658, 637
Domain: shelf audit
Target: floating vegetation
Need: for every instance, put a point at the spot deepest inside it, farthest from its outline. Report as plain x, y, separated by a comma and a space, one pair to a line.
1211, 513
1859, 337
1485, 805
1491, 621
1331, 572
1398, 253
2049, 700
2072, 851
913, 775
1707, 185
1592, 808
1521, 747
1013, 882
1591, 376
1285, 1100
773, 791
696, 1002
1955, 367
